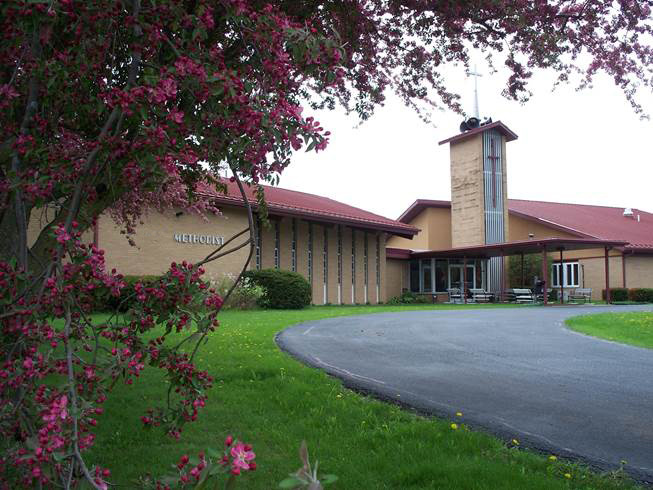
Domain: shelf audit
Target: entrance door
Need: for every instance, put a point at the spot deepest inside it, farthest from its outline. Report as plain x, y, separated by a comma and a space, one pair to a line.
456, 274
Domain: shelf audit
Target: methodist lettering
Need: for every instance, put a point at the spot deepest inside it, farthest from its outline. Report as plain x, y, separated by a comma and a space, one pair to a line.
201, 239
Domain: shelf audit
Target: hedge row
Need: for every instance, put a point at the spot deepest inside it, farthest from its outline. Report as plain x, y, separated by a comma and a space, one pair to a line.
637, 295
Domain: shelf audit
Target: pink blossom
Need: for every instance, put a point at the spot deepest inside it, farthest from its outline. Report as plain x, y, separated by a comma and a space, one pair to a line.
242, 455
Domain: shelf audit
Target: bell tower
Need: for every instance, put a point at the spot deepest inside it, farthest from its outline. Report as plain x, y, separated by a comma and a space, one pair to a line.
479, 201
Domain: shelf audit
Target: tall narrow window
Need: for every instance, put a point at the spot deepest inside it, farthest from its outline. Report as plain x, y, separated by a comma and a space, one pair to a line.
378, 268
293, 250
426, 275
339, 265
365, 267
353, 266
277, 244
325, 265
414, 276
258, 243
310, 253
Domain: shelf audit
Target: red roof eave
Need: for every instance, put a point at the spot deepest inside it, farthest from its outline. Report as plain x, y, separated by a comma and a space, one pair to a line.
399, 229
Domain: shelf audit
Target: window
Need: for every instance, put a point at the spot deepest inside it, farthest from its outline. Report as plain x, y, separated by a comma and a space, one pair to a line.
441, 275
258, 243
293, 250
339, 258
310, 253
566, 274
378, 260
277, 245
414, 276
365, 261
425, 265
325, 260
353, 266
365, 268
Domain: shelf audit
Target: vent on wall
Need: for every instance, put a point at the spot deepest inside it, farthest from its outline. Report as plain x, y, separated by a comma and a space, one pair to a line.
628, 213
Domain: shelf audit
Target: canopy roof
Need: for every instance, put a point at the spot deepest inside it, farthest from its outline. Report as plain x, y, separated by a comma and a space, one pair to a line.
518, 248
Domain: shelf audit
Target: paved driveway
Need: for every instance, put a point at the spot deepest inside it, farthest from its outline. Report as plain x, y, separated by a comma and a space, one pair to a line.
515, 372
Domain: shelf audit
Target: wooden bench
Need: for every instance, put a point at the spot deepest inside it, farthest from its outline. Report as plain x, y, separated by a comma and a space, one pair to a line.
580, 294
481, 296
454, 295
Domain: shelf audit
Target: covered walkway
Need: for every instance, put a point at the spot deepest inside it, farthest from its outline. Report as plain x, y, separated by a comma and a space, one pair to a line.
521, 248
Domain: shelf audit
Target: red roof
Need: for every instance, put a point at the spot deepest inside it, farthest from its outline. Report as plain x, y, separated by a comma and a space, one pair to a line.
309, 206
608, 223
584, 221
498, 125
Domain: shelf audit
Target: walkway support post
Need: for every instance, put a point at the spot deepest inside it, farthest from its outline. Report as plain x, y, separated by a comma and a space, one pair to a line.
503, 274
561, 275
523, 284
607, 276
464, 280
545, 266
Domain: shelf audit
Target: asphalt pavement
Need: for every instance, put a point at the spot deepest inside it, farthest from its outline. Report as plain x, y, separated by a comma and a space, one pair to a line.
518, 373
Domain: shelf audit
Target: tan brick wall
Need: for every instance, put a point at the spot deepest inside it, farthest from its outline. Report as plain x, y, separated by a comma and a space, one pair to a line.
156, 247
396, 277
467, 216
39, 218
286, 243
435, 234
639, 271
267, 245
384, 271
519, 228
594, 274
302, 247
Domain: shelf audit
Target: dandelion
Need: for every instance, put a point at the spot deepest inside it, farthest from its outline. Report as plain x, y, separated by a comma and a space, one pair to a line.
567, 475
459, 414
553, 458
515, 442
454, 426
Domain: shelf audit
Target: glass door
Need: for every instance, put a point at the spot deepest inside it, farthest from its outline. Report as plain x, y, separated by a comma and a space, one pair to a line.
456, 276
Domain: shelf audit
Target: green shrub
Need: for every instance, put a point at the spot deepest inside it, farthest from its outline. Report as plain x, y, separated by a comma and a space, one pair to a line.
410, 298
641, 295
246, 295
617, 294
282, 290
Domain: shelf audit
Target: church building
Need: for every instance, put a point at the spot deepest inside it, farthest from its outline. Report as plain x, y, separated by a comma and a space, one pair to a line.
352, 256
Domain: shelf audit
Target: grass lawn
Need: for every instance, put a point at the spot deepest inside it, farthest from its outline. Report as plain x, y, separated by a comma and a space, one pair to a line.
270, 400
635, 328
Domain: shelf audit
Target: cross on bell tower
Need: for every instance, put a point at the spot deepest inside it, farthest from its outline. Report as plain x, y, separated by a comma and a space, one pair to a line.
476, 74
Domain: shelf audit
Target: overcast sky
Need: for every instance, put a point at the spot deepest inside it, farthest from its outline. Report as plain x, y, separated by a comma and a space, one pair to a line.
586, 147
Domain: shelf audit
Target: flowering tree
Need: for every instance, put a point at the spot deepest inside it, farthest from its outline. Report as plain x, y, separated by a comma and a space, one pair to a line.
119, 106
